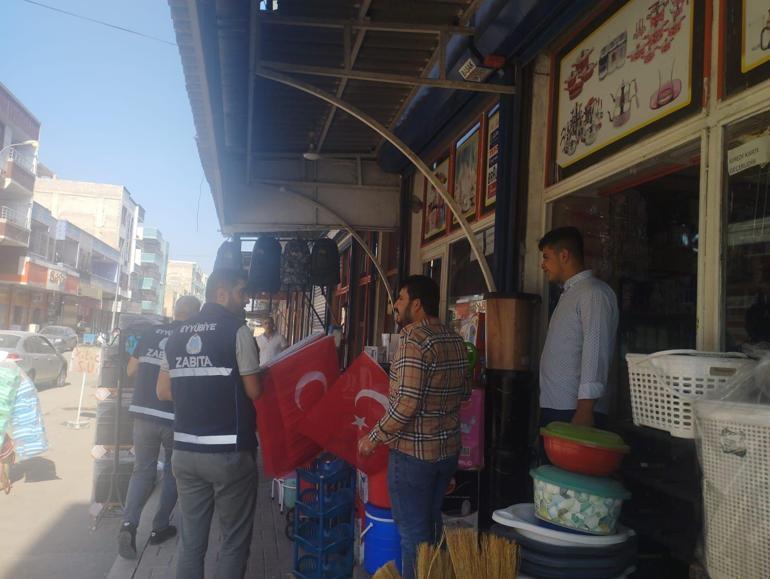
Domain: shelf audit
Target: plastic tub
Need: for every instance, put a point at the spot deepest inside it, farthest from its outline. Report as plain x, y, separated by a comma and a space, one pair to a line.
381, 538
582, 449
578, 502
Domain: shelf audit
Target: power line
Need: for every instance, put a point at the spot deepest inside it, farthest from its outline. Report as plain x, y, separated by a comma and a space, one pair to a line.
101, 22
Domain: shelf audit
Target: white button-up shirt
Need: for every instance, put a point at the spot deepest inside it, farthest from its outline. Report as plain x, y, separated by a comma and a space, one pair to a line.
579, 345
270, 347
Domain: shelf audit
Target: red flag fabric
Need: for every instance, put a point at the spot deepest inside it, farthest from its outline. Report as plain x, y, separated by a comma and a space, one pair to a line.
293, 384
350, 410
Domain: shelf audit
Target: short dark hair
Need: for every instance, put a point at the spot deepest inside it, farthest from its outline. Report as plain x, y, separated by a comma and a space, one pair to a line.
223, 279
568, 238
423, 288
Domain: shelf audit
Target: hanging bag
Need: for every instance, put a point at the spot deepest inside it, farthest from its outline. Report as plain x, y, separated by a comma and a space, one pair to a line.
265, 266
325, 263
295, 266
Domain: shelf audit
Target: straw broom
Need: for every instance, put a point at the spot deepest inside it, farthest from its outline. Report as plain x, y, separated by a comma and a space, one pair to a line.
500, 556
433, 561
387, 571
464, 552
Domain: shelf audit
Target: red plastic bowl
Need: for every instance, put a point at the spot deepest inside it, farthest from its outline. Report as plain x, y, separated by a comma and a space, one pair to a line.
580, 458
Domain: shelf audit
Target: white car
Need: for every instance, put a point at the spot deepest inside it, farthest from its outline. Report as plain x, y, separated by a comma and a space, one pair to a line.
35, 355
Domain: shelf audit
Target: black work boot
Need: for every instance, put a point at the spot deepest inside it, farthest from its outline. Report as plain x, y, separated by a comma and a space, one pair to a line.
161, 535
127, 541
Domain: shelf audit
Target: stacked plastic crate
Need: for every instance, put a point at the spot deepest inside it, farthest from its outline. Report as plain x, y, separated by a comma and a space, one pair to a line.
323, 520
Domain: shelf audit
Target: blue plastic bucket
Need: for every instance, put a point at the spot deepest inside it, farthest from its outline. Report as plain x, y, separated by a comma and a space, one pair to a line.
382, 543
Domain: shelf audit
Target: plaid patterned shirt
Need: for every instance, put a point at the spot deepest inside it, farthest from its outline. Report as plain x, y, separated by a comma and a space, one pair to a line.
428, 382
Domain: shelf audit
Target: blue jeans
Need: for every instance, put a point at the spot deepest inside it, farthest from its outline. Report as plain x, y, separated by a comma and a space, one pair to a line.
148, 437
417, 489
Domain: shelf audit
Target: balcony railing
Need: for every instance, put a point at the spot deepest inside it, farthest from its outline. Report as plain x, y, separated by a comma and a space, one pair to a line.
13, 216
19, 170
26, 162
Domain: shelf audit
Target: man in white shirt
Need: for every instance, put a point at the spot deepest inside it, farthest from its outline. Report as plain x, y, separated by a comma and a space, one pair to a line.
580, 343
271, 343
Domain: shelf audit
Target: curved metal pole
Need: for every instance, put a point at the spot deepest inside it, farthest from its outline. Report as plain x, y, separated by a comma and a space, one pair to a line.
352, 232
401, 146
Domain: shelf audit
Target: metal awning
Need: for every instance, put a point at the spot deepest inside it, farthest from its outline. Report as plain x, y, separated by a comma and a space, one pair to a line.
292, 99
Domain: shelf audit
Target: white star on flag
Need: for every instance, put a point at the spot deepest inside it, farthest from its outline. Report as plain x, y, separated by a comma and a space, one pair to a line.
359, 422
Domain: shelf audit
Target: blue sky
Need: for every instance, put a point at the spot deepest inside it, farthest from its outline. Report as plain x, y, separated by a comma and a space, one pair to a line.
113, 108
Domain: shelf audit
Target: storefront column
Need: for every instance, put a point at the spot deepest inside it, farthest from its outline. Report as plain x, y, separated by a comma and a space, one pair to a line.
534, 280
710, 335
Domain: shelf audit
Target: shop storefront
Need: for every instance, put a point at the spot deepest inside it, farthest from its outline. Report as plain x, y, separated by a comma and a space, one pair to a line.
39, 296
657, 149
467, 163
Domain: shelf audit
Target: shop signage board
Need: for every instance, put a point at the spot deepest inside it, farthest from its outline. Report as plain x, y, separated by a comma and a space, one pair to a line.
55, 280
624, 76
493, 150
755, 32
435, 209
751, 154
746, 44
466, 171
87, 359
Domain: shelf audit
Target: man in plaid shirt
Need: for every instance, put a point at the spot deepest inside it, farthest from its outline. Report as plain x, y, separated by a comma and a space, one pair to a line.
428, 382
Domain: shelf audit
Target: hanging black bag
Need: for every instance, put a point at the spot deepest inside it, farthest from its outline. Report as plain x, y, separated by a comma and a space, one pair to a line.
295, 266
265, 266
229, 256
325, 263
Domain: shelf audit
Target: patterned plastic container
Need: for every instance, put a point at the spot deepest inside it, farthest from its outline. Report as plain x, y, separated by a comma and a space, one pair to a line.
581, 503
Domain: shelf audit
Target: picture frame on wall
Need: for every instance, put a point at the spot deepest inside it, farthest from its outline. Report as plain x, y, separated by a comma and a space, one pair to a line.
746, 44
435, 209
637, 68
492, 162
466, 173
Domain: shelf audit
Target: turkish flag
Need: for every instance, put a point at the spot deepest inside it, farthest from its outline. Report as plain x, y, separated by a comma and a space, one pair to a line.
293, 384
350, 410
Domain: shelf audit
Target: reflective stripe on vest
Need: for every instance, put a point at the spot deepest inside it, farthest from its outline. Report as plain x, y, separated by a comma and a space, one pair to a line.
216, 439
151, 412
186, 372
150, 360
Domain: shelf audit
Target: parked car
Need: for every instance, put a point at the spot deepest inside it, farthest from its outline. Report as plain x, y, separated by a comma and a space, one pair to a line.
36, 356
62, 337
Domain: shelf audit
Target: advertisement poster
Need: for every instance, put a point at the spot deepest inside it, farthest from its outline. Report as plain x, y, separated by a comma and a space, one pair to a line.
628, 72
493, 149
435, 210
466, 174
756, 34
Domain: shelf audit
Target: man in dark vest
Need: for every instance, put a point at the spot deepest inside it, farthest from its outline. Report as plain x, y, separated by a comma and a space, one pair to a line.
153, 426
211, 375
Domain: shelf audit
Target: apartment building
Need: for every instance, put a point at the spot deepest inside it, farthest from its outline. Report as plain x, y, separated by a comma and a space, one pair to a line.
183, 278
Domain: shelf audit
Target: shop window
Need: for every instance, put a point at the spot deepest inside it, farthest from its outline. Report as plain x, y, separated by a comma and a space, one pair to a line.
390, 248
747, 256
18, 315
345, 268
465, 276
641, 237
432, 269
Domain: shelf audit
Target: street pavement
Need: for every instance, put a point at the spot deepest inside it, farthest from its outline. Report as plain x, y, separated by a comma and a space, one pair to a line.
45, 525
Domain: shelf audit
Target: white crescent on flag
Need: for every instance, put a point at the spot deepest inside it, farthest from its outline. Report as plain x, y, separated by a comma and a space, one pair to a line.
374, 395
314, 376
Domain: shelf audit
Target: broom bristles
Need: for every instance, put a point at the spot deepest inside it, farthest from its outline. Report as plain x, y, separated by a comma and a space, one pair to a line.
433, 562
501, 557
387, 571
465, 553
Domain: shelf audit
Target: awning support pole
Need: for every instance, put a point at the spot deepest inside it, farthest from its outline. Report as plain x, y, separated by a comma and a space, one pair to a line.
406, 151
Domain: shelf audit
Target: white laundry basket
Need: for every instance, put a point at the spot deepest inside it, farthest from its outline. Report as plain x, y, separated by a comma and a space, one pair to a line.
734, 450
663, 385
